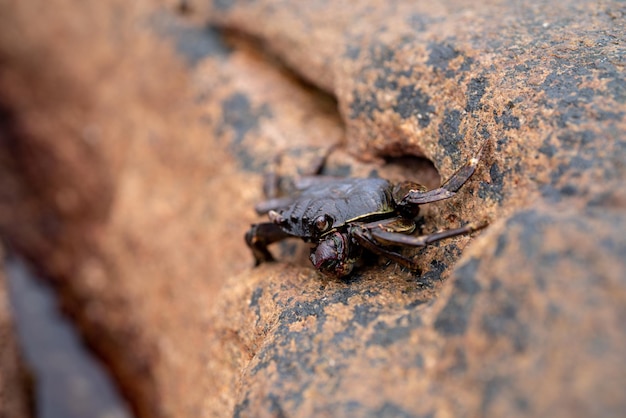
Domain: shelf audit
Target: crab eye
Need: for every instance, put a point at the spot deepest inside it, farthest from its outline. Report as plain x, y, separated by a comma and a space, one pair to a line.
323, 223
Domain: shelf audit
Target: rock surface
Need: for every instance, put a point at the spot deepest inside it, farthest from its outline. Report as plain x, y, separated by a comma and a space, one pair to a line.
129, 175
15, 388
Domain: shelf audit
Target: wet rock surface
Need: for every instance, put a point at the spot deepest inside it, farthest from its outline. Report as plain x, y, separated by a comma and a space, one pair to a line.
15, 383
130, 182
66, 379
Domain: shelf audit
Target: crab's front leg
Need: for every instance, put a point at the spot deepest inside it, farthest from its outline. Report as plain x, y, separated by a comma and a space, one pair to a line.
260, 236
335, 255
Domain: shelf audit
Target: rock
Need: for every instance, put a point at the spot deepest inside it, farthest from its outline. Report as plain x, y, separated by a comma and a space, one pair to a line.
15, 384
129, 177
120, 188
433, 80
528, 325
531, 321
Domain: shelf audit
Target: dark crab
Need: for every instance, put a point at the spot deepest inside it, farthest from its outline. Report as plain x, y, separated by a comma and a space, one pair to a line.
341, 217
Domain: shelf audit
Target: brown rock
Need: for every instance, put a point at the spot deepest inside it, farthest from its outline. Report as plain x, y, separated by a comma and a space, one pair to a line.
531, 322
117, 185
129, 173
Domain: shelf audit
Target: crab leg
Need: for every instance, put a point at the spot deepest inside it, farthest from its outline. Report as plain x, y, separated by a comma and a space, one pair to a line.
260, 236
365, 240
386, 237
374, 237
274, 183
449, 188
272, 204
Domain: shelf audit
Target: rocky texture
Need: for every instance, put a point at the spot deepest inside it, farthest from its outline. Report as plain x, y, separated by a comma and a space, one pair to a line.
15, 387
545, 87
128, 176
520, 330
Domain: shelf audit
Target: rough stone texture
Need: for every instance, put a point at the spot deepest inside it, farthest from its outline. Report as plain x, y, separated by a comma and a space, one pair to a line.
15, 388
128, 176
529, 323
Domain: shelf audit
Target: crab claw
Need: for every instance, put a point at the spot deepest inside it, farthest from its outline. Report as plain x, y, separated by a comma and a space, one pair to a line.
330, 256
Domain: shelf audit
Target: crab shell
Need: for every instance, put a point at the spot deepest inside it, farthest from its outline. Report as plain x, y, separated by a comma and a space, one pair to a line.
329, 205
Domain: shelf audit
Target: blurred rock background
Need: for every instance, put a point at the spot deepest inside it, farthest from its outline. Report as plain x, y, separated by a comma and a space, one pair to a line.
135, 137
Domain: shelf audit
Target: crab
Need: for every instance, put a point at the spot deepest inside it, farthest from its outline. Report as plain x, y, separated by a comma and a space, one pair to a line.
344, 217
